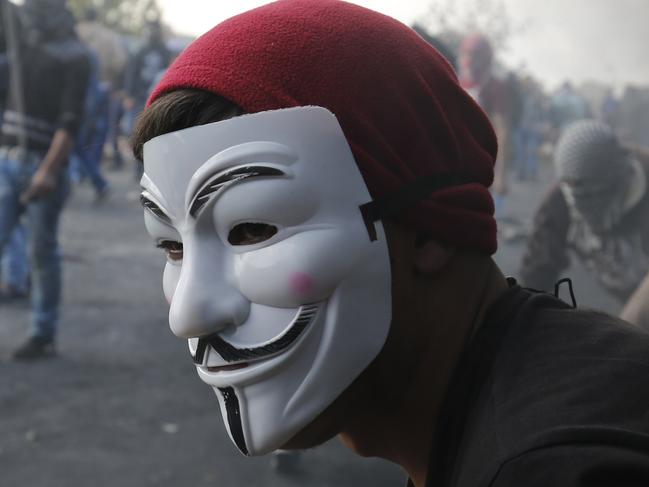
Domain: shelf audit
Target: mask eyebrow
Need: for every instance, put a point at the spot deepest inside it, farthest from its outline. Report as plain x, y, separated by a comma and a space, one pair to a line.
226, 179
153, 207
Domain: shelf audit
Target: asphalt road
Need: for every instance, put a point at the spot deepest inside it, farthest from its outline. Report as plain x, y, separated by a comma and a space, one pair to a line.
121, 405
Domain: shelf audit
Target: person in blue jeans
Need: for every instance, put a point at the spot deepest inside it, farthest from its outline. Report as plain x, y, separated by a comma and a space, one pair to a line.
41, 120
41, 219
85, 160
528, 134
14, 268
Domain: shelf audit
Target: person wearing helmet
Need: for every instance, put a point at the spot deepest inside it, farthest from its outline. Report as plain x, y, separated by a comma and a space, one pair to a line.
598, 212
318, 181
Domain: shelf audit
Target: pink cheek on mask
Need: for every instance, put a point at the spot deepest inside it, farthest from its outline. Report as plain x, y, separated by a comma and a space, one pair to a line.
301, 284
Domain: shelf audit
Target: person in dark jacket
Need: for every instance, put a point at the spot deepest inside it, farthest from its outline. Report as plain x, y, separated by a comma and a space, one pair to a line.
318, 182
48, 82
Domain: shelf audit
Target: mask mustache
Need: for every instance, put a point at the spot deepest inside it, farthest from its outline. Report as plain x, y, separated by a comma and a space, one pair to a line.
233, 354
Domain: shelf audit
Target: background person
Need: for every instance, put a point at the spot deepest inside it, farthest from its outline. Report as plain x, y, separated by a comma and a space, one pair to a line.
494, 94
86, 157
598, 212
150, 58
112, 56
42, 116
567, 106
529, 131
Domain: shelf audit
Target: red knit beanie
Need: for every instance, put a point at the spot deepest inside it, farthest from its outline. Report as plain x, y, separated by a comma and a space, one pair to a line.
396, 98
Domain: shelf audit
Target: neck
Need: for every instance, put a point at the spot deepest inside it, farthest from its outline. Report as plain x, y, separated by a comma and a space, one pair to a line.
411, 387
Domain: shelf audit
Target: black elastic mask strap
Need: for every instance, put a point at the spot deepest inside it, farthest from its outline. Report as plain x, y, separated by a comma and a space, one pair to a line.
410, 194
557, 288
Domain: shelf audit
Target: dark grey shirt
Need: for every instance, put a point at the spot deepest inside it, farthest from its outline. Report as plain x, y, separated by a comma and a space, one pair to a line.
546, 395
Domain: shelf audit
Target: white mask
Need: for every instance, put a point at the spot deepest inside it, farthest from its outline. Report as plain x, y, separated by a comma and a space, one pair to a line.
306, 308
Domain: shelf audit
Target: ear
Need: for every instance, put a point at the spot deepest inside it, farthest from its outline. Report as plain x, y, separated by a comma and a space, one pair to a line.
431, 256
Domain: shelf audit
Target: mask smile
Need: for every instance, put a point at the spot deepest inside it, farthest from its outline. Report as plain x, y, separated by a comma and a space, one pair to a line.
214, 355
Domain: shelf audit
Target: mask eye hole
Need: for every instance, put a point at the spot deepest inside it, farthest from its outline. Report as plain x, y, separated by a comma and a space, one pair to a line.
174, 250
251, 233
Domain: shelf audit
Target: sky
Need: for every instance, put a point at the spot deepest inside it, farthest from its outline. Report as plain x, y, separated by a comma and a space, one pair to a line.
578, 40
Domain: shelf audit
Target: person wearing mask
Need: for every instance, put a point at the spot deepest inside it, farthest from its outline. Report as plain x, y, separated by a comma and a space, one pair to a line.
598, 213
328, 230
49, 76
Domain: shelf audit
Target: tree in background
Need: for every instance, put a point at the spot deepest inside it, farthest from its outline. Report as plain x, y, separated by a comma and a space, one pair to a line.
452, 21
125, 16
